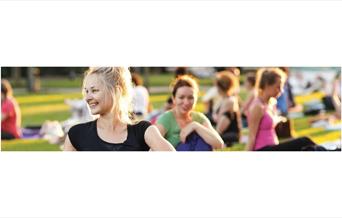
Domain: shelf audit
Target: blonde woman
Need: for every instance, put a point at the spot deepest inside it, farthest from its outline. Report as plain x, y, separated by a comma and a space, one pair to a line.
107, 92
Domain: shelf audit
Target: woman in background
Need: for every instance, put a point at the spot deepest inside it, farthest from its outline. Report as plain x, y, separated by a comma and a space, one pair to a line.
263, 117
10, 113
179, 122
228, 117
141, 97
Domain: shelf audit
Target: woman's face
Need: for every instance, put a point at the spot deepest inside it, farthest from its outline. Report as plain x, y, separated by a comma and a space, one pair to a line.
276, 89
184, 99
95, 94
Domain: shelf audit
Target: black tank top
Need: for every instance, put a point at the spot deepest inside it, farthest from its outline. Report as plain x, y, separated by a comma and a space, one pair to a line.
234, 121
84, 137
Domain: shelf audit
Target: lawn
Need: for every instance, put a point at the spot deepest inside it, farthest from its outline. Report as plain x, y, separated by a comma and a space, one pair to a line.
36, 108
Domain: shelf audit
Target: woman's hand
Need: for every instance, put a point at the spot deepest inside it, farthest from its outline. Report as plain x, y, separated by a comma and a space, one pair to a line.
187, 130
281, 119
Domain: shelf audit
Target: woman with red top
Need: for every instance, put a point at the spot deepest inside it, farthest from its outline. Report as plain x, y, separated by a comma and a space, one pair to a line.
10, 113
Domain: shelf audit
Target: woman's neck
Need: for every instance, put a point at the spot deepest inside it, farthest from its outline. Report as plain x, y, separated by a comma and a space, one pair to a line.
264, 98
109, 121
180, 115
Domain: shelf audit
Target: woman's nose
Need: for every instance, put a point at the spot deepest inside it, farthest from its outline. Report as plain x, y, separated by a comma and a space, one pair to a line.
88, 96
188, 102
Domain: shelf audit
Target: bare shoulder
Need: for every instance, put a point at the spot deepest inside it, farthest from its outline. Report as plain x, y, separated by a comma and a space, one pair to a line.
67, 145
256, 109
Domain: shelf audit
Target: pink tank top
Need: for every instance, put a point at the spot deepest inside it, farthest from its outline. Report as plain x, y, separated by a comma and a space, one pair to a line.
266, 134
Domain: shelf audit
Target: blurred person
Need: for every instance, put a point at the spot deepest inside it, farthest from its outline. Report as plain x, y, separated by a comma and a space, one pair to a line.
227, 116
263, 117
251, 95
107, 92
180, 71
286, 100
212, 99
153, 116
182, 121
337, 85
336, 95
285, 104
10, 113
141, 98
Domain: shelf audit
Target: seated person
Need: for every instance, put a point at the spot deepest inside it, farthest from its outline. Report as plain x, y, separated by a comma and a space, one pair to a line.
228, 117
10, 113
179, 122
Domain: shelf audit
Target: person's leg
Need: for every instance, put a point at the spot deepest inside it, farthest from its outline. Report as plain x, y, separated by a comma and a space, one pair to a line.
230, 137
298, 144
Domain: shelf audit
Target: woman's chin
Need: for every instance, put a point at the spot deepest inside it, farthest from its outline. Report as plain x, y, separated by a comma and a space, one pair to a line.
94, 112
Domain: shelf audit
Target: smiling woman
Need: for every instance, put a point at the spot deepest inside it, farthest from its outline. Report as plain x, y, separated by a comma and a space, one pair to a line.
182, 126
107, 90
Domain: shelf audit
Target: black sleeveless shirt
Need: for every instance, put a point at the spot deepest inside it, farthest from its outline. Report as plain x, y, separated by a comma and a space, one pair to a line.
84, 137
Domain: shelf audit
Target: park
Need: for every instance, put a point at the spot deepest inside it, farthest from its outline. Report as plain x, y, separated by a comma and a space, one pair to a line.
44, 99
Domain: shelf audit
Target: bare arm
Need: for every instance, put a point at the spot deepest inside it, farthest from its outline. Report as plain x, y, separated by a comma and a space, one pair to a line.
156, 141
67, 145
206, 131
161, 129
247, 103
222, 121
255, 115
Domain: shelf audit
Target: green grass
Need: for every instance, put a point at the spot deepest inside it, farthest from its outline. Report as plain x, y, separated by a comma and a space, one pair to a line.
36, 108
28, 145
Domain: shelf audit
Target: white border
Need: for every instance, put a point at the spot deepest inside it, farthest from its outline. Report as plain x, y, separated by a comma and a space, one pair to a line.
191, 33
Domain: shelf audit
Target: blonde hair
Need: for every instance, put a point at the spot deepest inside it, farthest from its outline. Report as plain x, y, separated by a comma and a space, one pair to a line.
118, 83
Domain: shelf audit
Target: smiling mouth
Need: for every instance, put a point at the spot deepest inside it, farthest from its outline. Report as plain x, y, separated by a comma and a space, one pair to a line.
91, 105
186, 109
